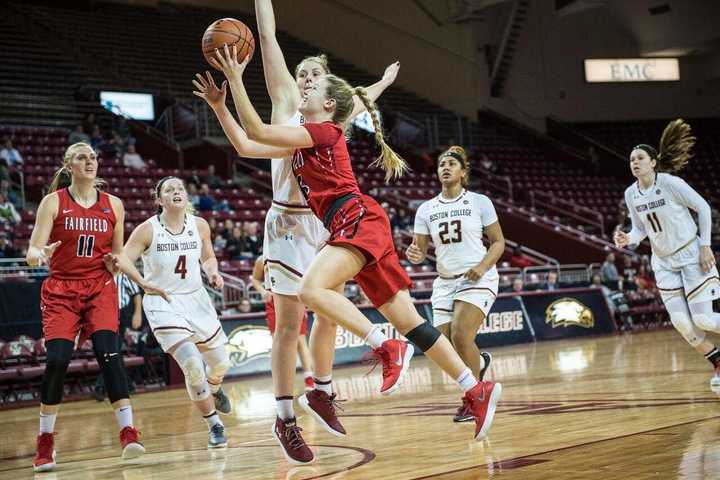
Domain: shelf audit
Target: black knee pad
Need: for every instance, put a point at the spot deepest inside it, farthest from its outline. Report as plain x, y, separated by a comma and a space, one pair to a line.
423, 336
105, 346
59, 354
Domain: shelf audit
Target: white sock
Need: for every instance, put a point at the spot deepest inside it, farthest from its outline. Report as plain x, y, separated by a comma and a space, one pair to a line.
466, 380
47, 422
307, 373
212, 419
284, 407
214, 388
124, 416
324, 384
482, 362
375, 338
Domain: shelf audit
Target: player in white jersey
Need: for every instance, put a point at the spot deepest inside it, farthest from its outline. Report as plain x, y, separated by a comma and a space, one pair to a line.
659, 204
175, 246
292, 236
467, 281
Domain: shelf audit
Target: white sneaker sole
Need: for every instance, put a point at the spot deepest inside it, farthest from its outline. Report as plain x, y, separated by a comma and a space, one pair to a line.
132, 450
406, 364
494, 398
305, 404
288, 457
219, 445
46, 467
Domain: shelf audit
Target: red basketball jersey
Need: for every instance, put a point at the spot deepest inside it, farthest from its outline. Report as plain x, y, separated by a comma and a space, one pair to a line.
86, 236
323, 171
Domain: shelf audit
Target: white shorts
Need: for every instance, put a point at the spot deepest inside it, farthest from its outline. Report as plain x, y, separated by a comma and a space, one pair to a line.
293, 236
680, 274
190, 316
446, 292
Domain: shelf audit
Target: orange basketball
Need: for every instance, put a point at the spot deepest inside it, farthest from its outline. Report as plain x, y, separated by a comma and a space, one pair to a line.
231, 32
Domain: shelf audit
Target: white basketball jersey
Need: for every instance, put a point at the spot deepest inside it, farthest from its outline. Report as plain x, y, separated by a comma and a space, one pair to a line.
173, 261
284, 185
456, 228
663, 213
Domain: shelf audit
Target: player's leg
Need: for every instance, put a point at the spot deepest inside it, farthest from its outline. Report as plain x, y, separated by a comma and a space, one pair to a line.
305, 362
483, 396
190, 361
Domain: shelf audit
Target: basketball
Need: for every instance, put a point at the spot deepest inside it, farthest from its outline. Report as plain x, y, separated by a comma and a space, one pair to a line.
228, 31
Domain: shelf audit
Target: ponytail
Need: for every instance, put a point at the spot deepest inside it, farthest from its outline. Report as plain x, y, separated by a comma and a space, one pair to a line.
676, 144
393, 164
63, 177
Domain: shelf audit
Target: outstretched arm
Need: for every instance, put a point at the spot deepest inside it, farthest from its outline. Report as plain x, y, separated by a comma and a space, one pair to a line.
277, 135
281, 84
215, 98
376, 89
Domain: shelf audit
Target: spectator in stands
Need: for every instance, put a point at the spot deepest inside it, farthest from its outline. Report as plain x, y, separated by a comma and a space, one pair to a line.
219, 243
206, 202
517, 284
486, 163
78, 135
193, 197
505, 284
533, 283
245, 306
6, 248
112, 147
403, 219
10, 155
211, 178
629, 270
223, 205
8, 193
8, 214
133, 159
519, 260
194, 179
552, 281
609, 272
122, 127
89, 124
236, 244
96, 138
616, 302
253, 242
226, 228
645, 279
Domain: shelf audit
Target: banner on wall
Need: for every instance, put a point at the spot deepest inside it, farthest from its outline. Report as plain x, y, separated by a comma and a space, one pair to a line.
513, 319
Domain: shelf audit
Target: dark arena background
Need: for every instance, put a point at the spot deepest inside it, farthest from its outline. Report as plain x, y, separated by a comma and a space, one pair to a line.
548, 99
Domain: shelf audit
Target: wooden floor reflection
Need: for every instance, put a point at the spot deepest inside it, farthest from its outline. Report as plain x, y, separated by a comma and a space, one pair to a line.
621, 407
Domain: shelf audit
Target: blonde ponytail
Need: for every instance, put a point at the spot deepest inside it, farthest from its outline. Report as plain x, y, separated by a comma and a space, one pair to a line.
393, 164
63, 177
676, 144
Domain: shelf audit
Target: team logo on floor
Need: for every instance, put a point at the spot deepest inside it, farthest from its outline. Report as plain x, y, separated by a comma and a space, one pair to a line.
248, 342
567, 312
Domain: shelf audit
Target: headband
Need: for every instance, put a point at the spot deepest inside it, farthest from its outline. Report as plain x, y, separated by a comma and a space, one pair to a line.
647, 149
456, 156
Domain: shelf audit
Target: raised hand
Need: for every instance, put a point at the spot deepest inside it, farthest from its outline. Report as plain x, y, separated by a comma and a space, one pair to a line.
209, 91
391, 72
228, 63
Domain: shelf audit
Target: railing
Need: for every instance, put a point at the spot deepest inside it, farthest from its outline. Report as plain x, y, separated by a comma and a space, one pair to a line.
555, 123
16, 268
570, 209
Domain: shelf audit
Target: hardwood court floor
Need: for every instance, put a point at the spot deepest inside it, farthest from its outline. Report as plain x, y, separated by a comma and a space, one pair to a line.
621, 407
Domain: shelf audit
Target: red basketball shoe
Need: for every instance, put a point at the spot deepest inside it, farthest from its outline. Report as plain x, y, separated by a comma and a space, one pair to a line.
45, 457
130, 443
395, 356
483, 400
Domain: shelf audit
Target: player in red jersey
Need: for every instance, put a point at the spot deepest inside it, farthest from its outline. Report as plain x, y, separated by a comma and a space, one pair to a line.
257, 278
360, 244
76, 226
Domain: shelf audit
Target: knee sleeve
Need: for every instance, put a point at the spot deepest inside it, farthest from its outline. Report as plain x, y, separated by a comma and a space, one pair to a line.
191, 363
684, 324
217, 362
704, 317
105, 346
59, 353
424, 336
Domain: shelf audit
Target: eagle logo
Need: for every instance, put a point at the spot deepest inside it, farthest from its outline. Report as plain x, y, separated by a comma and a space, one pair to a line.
248, 342
569, 312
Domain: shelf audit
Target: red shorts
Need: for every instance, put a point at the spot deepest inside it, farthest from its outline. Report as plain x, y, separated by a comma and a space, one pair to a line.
72, 306
362, 223
270, 317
